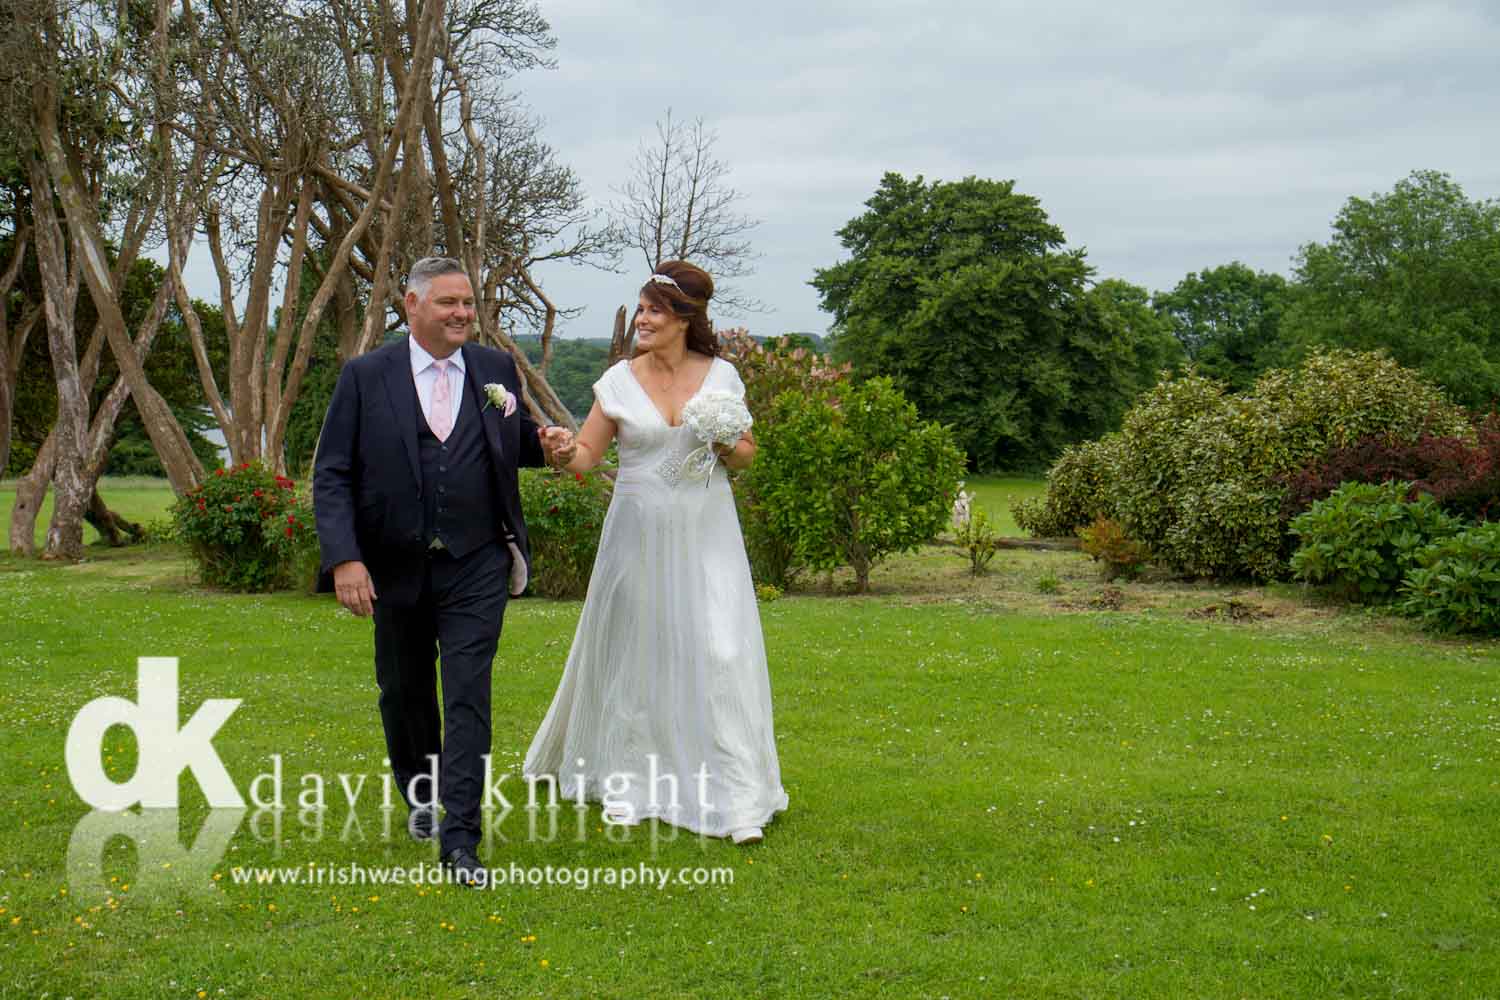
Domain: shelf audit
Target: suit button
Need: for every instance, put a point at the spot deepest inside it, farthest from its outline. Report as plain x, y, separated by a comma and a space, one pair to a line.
442, 468
442, 489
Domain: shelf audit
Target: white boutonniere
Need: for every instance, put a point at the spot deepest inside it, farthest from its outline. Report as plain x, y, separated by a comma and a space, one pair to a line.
500, 398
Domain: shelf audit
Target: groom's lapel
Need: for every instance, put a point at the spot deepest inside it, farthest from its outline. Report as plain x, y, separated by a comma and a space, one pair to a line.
401, 389
489, 416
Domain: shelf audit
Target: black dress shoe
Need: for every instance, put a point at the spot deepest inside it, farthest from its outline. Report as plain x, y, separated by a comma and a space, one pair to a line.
422, 823
466, 867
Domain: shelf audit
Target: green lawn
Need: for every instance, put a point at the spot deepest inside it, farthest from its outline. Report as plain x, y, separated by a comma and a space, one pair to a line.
135, 498
996, 493
990, 797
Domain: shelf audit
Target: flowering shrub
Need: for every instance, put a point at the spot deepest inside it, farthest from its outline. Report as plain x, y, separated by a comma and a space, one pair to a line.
247, 529
1364, 538
564, 517
765, 593
769, 371
1455, 586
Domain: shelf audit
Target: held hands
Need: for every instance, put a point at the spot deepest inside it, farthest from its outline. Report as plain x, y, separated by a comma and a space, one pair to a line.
351, 582
558, 444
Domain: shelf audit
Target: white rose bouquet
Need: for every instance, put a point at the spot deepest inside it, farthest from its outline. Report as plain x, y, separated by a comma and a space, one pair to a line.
714, 417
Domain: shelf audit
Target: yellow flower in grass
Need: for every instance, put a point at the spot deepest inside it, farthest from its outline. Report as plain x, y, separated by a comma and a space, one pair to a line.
543, 963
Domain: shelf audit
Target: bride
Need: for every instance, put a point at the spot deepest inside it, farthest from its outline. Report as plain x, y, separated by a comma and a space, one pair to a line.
664, 707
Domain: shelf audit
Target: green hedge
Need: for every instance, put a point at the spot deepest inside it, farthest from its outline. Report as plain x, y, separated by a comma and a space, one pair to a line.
1195, 473
1365, 538
1455, 586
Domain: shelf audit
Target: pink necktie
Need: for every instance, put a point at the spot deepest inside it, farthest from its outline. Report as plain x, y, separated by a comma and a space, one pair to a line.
440, 413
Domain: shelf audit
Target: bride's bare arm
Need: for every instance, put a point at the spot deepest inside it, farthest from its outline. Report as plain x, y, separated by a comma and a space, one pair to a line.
592, 441
741, 455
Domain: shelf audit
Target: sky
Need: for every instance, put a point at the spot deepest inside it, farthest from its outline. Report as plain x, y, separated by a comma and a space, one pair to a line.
1162, 137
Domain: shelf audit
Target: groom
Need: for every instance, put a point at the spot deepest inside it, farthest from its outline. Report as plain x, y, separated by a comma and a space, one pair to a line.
419, 520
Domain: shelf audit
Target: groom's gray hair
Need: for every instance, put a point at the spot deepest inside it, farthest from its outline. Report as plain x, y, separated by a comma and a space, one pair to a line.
424, 270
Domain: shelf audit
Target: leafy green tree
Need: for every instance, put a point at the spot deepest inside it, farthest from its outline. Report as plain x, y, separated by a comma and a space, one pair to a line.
964, 294
576, 365
1228, 321
1141, 340
1415, 271
851, 479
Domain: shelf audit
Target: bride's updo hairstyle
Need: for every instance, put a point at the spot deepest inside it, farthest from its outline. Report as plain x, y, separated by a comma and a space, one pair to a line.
685, 289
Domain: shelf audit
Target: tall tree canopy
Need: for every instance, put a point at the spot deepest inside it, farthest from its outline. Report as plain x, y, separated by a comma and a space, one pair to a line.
1228, 320
1415, 271
965, 295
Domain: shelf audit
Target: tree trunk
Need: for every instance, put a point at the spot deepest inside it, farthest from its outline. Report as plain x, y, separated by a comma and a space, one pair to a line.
68, 517
65, 534
31, 490
112, 528
70, 499
10, 353
167, 436
7, 413
622, 340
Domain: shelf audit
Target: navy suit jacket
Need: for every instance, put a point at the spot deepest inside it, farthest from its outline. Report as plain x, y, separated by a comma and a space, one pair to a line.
367, 479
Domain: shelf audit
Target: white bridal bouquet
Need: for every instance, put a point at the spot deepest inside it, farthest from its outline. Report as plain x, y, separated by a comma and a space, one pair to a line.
499, 397
714, 417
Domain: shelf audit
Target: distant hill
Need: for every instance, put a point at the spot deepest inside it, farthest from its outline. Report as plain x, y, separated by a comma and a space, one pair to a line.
577, 363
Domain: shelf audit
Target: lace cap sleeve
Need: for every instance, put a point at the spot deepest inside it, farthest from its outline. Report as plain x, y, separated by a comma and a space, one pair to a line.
607, 390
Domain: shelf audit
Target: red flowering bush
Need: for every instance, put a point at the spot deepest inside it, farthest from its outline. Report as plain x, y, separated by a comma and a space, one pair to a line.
564, 516
1461, 474
247, 529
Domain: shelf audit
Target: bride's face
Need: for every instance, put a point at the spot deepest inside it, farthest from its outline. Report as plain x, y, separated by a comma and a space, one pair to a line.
657, 327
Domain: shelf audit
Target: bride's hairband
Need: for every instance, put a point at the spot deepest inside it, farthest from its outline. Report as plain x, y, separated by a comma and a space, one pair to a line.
662, 279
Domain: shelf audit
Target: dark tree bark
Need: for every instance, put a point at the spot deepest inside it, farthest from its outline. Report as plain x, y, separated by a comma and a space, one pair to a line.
113, 529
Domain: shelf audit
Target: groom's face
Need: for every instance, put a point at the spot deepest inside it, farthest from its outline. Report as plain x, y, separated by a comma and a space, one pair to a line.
441, 320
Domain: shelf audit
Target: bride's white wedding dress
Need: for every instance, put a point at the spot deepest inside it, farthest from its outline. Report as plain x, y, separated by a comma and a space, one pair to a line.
667, 674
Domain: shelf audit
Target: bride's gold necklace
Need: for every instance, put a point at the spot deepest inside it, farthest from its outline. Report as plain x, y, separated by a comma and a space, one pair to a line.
671, 381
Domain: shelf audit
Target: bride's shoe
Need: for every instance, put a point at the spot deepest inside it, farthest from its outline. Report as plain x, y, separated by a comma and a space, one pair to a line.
747, 835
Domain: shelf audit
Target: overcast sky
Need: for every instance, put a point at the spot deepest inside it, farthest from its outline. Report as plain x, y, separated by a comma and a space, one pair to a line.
1163, 137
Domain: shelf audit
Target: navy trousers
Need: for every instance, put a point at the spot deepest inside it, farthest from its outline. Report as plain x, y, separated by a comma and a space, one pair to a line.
456, 620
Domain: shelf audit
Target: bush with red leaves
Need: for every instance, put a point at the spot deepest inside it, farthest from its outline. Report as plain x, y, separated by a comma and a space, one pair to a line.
1462, 476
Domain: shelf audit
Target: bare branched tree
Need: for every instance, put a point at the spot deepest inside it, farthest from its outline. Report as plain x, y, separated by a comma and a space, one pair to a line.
505, 204
678, 204
73, 82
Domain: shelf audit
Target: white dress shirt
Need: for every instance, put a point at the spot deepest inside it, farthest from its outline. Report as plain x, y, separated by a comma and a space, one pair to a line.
424, 373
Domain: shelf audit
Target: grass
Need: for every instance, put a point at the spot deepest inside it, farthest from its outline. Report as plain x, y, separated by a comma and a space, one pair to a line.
136, 498
994, 792
996, 493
